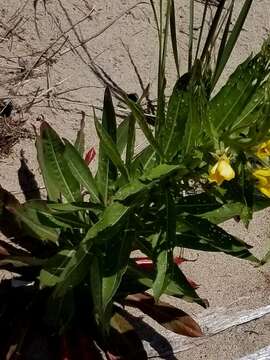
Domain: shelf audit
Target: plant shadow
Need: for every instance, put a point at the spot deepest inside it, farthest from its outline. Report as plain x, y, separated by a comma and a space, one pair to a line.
27, 180
149, 334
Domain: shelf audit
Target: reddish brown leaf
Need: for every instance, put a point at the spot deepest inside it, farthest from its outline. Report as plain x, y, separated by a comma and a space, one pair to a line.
90, 155
166, 315
124, 343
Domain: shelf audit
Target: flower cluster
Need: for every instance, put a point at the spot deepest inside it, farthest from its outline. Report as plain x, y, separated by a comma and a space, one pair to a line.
223, 171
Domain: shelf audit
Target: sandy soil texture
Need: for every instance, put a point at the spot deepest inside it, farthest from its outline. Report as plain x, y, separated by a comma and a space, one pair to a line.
47, 75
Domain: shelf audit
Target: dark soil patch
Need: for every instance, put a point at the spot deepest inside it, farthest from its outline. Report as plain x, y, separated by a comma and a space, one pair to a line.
11, 131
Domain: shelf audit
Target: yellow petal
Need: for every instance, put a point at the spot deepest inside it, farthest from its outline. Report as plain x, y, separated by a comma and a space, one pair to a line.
263, 150
225, 170
221, 171
265, 190
262, 172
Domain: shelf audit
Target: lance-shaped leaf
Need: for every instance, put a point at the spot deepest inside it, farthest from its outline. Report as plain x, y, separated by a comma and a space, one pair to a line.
163, 262
55, 171
164, 248
53, 267
196, 116
110, 149
130, 141
138, 114
177, 114
81, 171
147, 180
230, 44
146, 159
254, 113
166, 315
80, 139
107, 270
106, 168
29, 218
122, 135
78, 266
226, 107
216, 237
139, 280
223, 213
197, 204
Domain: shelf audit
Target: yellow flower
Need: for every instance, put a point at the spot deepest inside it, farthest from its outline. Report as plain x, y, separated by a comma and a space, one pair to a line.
263, 175
221, 171
263, 150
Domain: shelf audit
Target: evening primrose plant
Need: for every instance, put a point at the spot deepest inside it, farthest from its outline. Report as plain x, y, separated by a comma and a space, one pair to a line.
202, 164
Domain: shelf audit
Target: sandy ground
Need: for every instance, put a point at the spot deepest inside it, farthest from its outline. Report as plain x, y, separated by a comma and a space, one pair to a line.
224, 281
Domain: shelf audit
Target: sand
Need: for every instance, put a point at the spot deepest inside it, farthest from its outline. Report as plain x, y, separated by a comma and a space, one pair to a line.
224, 281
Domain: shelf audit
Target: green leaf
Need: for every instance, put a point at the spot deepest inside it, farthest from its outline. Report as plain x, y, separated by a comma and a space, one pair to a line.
40, 210
80, 139
111, 150
78, 266
226, 107
107, 271
251, 114
96, 291
115, 264
161, 171
140, 280
164, 248
52, 191
177, 114
107, 170
163, 262
218, 238
130, 141
144, 160
73, 207
180, 287
138, 114
81, 171
146, 181
29, 218
122, 135
52, 269
196, 116
223, 213
54, 167
197, 204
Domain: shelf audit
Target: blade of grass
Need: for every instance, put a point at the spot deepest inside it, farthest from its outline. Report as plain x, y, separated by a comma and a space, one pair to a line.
212, 30
202, 28
232, 40
173, 38
163, 42
225, 34
191, 31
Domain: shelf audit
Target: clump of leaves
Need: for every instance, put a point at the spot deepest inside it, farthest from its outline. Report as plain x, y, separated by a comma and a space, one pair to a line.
75, 247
